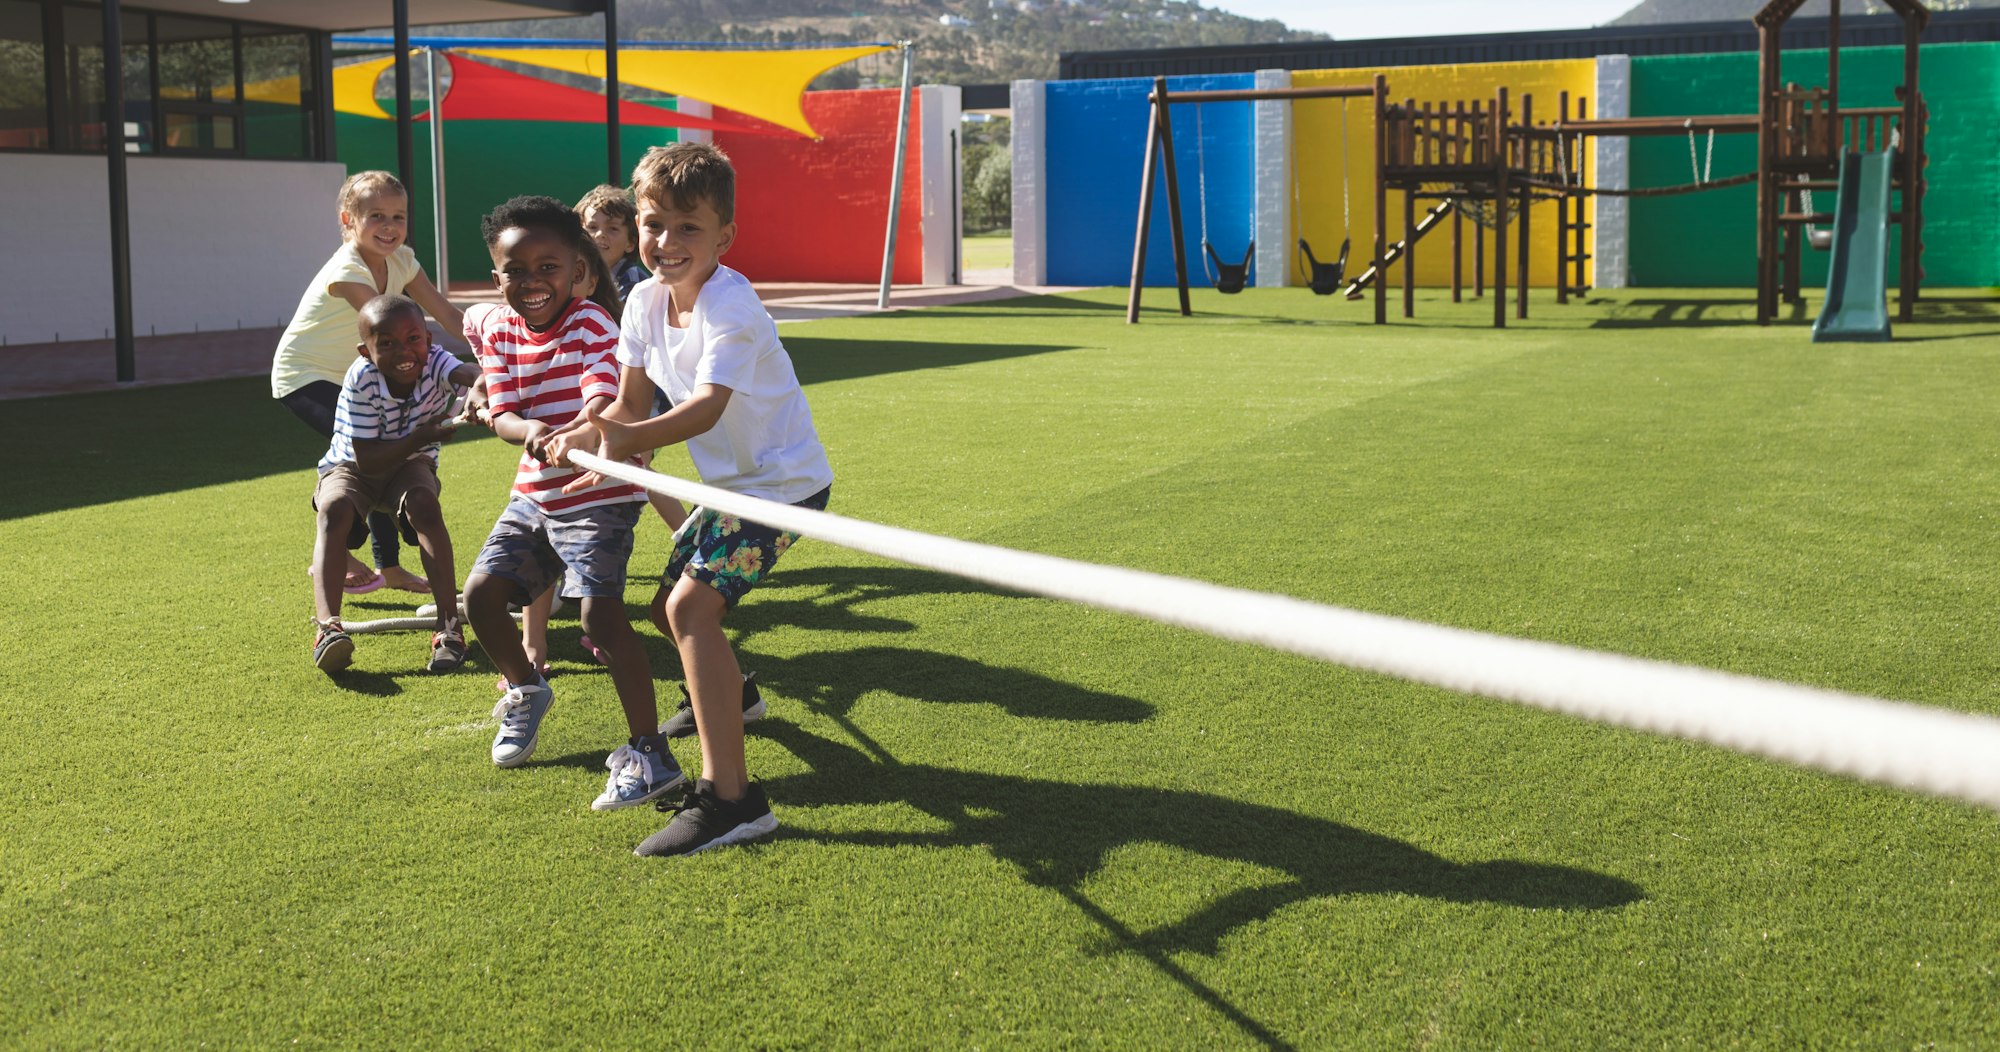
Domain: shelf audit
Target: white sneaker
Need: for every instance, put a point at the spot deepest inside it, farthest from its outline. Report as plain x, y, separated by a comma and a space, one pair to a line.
638, 775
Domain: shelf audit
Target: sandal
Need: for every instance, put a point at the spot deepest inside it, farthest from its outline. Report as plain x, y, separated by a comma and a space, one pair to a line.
349, 585
405, 581
333, 648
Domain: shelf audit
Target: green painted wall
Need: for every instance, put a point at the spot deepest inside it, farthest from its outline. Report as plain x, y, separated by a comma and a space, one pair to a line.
1710, 239
485, 163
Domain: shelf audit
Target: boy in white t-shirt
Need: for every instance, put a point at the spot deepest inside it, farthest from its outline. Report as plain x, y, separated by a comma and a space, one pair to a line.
697, 332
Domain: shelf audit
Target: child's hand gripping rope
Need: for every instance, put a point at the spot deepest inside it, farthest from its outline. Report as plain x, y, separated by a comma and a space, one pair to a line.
591, 432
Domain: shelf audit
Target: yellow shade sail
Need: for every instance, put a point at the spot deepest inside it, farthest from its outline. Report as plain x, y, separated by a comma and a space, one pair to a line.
765, 84
354, 88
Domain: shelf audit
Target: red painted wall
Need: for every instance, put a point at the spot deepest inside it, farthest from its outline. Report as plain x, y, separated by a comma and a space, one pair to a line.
817, 211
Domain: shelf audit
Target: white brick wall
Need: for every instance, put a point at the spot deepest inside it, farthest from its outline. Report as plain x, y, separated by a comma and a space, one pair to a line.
216, 244
1030, 158
1273, 152
1611, 268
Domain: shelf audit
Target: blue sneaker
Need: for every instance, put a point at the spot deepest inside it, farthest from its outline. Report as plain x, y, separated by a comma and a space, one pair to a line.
520, 713
639, 773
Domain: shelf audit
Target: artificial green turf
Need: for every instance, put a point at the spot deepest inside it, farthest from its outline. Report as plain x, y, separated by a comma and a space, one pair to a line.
994, 251
1013, 822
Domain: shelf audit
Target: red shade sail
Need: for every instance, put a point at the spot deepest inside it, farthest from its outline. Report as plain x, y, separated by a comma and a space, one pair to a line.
480, 92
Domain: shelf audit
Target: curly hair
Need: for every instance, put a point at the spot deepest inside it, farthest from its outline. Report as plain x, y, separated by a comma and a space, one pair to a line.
539, 212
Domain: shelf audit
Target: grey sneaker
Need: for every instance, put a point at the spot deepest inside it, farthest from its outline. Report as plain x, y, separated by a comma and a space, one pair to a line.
448, 647
681, 723
702, 821
520, 713
640, 772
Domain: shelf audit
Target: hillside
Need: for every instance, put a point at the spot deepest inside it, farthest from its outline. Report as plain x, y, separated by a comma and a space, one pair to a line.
958, 41
1651, 12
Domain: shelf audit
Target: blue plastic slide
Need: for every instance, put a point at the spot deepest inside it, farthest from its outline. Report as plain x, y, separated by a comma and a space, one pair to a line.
1857, 300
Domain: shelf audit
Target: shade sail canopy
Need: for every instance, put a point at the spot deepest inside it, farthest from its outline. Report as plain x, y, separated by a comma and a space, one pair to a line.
762, 84
480, 91
354, 88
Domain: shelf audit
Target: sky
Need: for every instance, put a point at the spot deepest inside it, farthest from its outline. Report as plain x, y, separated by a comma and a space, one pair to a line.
1359, 19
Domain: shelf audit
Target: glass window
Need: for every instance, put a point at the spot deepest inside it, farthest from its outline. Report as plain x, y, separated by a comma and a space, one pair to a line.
83, 67
24, 94
199, 102
277, 93
197, 60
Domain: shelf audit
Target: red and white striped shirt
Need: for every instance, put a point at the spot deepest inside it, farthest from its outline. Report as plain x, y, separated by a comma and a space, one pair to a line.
549, 376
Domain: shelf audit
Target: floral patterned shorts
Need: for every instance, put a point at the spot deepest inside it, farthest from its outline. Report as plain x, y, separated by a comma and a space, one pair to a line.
727, 553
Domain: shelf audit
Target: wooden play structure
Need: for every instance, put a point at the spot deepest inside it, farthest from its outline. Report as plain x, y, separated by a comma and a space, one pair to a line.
1479, 159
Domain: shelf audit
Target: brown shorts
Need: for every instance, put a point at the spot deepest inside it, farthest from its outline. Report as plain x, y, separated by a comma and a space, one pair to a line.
366, 493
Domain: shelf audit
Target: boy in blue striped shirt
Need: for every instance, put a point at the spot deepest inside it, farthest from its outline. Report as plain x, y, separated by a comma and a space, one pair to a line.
393, 413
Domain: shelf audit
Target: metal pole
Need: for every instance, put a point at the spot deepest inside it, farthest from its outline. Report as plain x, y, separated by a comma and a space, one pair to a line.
405, 148
615, 163
896, 180
443, 272
114, 163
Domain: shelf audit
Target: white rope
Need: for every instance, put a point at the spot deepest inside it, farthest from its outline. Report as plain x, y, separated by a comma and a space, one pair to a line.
420, 623
391, 624
1910, 746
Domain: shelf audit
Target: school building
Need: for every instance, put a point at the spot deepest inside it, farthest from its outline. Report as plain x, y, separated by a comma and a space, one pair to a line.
193, 190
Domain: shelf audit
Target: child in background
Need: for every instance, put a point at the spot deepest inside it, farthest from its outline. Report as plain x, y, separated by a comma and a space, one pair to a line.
698, 333
547, 356
387, 426
612, 222
317, 348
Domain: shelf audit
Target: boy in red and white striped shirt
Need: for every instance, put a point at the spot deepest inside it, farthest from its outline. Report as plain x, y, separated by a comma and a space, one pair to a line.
547, 354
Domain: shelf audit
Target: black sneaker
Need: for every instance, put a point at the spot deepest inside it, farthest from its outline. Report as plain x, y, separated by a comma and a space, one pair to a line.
702, 821
681, 723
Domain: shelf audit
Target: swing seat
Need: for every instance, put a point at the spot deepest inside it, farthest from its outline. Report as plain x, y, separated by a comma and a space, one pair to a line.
1230, 277
1326, 277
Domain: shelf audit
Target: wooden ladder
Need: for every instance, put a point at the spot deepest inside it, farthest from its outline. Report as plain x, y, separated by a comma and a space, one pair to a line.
1424, 225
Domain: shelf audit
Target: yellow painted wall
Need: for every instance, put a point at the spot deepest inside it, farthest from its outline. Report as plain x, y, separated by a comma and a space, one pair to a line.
1317, 146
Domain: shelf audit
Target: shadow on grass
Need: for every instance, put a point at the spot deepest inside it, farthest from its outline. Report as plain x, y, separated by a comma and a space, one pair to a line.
820, 359
112, 446
373, 684
1691, 313
1059, 834
835, 593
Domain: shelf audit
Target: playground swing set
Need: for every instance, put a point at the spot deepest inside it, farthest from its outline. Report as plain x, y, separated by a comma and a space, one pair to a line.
1470, 160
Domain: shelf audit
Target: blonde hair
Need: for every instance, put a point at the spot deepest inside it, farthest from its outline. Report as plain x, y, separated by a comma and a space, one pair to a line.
614, 201
361, 186
686, 174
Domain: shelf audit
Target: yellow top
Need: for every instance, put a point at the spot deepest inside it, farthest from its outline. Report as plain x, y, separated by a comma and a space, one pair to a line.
319, 343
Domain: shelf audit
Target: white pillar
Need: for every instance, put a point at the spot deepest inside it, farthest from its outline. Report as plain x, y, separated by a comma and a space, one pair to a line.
938, 148
1272, 148
694, 108
1030, 158
1611, 261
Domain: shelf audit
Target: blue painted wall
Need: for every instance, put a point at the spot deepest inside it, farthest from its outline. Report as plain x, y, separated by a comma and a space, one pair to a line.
1096, 143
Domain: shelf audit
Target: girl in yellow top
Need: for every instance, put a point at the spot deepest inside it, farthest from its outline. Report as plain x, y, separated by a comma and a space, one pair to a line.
318, 346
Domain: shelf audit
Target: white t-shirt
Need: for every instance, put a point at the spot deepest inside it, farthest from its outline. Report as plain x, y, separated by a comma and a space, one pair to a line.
319, 343
764, 445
